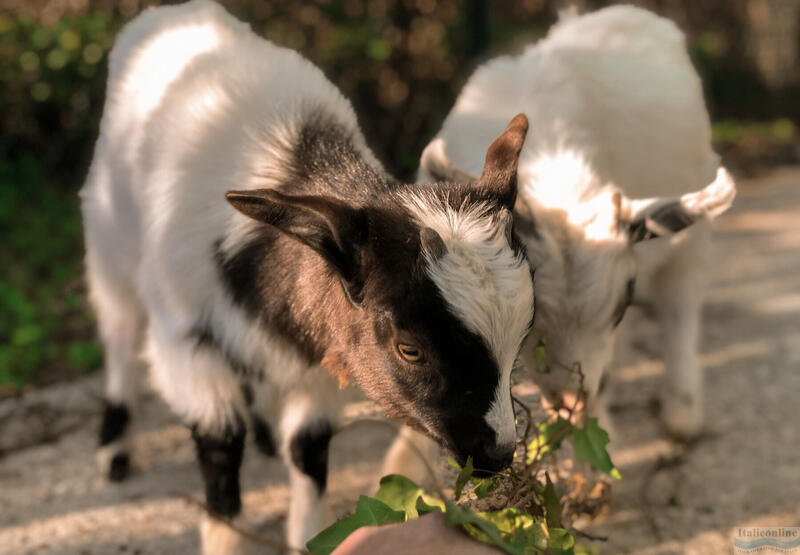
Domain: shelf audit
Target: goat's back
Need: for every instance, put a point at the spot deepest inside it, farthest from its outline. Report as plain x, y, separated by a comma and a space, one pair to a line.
615, 86
196, 105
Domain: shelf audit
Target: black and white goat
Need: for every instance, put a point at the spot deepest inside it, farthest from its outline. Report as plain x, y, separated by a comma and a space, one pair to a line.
318, 263
620, 133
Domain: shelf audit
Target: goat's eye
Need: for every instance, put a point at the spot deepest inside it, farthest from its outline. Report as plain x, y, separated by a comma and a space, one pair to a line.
411, 353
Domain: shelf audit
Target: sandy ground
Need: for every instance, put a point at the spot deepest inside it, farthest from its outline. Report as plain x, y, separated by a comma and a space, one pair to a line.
672, 499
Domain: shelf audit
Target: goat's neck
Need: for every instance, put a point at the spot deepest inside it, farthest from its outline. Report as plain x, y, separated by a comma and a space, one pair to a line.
328, 159
300, 300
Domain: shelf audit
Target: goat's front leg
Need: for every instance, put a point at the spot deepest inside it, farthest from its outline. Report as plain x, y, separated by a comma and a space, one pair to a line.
678, 293
308, 421
198, 383
682, 394
220, 458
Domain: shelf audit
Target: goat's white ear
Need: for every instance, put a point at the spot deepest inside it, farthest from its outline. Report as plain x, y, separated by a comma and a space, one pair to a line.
713, 200
333, 229
650, 218
436, 165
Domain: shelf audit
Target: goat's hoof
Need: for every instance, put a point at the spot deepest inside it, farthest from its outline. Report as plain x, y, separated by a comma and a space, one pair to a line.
114, 461
684, 423
119, 468
219, 538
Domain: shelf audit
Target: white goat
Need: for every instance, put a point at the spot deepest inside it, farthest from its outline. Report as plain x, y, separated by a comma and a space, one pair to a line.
318, 259
619, 133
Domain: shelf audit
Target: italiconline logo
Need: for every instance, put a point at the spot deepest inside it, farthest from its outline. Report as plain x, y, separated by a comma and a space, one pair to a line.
766, 539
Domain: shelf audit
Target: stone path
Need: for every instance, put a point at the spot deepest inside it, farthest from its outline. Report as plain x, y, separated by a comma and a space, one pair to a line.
746, 471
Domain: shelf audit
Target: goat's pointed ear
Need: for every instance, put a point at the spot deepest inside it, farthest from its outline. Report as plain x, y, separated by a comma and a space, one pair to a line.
499, 175
651, 218
435, 165
336, 231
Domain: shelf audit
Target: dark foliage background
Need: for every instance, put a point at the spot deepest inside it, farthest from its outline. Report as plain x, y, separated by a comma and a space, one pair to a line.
401, 62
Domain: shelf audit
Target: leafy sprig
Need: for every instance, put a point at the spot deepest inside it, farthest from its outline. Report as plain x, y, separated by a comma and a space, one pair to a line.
400, 499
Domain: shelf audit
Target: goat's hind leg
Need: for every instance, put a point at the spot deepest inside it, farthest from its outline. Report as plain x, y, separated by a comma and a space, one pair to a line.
121, 323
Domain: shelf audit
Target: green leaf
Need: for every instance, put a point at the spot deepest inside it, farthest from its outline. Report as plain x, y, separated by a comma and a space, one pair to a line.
484, 485
521, 531
590, 446
552, 503
372, 512
481, 529
369, 512
463, 477
429, 504
561, 542
330, 538
512, 530
400, 494
511, 520
549, 438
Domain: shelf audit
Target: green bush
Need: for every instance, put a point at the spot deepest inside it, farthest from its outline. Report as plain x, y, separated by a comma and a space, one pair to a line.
46, 332
53, 79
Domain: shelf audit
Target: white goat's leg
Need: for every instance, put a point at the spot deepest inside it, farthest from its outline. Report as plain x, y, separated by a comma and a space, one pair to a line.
123, 383
309, 418
198, 383
414, 455
682, 394
678, 293
121, 323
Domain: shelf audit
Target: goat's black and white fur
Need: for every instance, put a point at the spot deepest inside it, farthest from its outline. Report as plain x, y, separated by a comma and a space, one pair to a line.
326, 265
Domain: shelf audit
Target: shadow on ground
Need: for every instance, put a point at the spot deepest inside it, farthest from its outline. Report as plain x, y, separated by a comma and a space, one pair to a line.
672, 498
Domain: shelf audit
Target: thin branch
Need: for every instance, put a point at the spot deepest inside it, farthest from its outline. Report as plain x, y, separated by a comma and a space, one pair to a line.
528, 422
589, 536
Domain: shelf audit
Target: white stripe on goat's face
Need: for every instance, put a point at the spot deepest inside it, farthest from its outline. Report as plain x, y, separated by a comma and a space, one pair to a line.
486, 284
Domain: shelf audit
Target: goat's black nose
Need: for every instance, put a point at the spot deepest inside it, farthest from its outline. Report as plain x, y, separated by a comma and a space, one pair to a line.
493, 459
